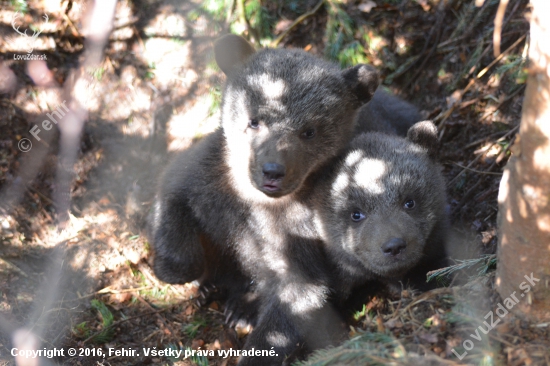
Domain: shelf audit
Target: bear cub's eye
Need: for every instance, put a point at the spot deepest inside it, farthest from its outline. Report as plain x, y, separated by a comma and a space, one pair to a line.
308, 134
357, 216
410, 204
253, 123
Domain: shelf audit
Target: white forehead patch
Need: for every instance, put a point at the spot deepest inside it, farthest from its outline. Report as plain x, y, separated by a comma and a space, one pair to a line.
353, 157
340, 183
272, 89
369, 174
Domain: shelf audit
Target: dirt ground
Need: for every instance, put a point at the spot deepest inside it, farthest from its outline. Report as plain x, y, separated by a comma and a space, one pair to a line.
157, 91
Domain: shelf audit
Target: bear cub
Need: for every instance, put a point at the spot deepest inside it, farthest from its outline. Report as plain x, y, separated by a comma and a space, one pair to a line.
382, 211
229, 207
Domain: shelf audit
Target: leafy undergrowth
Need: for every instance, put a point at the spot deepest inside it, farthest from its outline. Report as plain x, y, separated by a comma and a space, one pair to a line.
456, 325
92, 285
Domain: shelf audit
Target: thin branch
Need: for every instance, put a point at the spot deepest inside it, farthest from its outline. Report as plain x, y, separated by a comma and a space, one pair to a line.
498, 26
74, 30
463, 170
486, 148
229, 14
14, 267
300, 19
108, 290
442, 117
437, 30
484, 71
470, 191
475, 170
505, 100
242, 18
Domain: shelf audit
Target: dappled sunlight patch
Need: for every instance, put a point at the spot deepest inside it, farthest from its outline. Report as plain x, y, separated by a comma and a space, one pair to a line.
122, 28
541, 155
129, 100
169, 57
402, 45
278, 339
543, 222
195, 122
490, 150
17, 43
376, 42
88, 92
48, 100
167, 25
303, 298
42, 101
70, 234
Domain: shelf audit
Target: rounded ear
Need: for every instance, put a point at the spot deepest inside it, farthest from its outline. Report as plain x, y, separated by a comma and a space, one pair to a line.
424, 134
363, 81
232, 51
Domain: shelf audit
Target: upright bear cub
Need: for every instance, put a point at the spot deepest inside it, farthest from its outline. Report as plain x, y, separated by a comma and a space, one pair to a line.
229, 207
382, 210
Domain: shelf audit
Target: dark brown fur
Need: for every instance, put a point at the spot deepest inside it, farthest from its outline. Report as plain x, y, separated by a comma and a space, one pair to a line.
385, 190
388, 114
220, 218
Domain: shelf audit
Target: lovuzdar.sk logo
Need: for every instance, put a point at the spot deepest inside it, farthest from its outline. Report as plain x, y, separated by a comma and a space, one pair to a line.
36, 32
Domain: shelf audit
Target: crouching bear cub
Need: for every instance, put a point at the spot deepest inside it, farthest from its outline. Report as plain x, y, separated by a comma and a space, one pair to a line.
382, 211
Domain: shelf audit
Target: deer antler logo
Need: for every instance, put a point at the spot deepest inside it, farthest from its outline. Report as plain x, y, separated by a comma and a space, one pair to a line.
32, 38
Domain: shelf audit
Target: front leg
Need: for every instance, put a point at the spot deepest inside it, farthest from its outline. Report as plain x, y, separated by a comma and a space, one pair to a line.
235, 288
176, 240
183, 252
296, 316
277, 332
292, 329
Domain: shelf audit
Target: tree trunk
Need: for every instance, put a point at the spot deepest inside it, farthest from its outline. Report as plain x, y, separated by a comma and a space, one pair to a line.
524, 195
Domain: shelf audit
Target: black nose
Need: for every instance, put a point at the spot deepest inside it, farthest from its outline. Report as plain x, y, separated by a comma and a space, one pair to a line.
394, 247
273, 171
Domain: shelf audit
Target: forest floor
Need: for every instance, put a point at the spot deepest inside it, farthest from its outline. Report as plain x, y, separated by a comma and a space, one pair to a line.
157, 92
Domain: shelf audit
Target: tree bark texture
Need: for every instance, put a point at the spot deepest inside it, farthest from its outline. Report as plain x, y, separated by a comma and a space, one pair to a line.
524, 195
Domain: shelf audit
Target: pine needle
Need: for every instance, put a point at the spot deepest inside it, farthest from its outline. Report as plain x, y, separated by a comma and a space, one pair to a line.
366, 349
486, 262
107, 320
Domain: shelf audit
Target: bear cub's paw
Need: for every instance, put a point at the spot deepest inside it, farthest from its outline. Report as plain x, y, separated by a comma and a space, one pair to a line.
241, 302
241, 310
